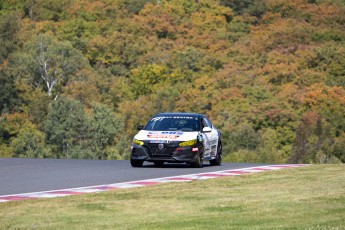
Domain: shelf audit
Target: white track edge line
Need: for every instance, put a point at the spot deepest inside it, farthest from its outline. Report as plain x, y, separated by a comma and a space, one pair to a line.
153, 180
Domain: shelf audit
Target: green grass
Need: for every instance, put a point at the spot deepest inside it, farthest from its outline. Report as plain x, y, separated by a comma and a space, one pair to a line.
310, 197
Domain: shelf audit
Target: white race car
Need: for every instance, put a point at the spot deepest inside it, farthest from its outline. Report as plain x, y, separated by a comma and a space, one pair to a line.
177, 138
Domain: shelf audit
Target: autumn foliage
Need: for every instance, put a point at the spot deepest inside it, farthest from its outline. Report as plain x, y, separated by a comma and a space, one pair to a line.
78, 76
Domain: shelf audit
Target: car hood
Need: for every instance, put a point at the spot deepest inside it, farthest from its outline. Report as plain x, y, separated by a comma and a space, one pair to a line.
165, 135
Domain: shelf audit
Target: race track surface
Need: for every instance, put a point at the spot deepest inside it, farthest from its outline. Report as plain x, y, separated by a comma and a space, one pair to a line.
35, 175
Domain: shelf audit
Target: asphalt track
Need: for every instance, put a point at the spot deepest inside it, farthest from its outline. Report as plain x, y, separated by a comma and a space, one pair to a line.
35, 175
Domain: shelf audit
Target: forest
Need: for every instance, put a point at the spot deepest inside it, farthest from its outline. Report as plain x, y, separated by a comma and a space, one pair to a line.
78, 76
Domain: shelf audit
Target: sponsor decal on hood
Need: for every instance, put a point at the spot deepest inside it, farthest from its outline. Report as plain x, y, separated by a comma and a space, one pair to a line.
165, 134
161, 136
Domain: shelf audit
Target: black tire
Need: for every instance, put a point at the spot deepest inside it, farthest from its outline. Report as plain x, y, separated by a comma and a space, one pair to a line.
199, 160
218, 160
136, 163
158, 163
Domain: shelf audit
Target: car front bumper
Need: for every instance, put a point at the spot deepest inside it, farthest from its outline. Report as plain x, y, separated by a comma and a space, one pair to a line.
169, 153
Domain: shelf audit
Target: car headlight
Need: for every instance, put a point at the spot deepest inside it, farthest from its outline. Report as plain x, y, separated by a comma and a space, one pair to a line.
188, 143
137, 142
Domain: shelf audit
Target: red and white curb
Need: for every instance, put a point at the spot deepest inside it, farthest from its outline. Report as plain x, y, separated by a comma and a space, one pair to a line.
141, 183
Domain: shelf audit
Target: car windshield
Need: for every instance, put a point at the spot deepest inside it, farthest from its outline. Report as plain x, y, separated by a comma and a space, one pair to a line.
173, 123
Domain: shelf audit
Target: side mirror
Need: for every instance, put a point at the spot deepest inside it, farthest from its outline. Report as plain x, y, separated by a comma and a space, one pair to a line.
140, 127
207, 130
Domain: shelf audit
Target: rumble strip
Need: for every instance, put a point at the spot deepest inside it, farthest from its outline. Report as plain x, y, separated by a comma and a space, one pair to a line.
141, 183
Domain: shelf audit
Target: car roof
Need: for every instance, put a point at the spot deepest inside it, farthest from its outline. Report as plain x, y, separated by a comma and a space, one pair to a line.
180, 114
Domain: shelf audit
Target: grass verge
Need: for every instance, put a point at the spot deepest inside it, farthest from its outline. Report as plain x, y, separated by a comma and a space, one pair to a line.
310, 197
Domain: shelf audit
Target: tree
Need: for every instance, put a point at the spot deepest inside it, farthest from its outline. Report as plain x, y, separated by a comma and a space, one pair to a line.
9, 28
19, 137
254, 7
330, 59
134, 6
145, 79
66, 126
253, 66
268, 149
118, 51
242, 137
40, 10
47, 63
338, 149
38, 108
103, 128
8, 93
311, 135
29, 144
188, 59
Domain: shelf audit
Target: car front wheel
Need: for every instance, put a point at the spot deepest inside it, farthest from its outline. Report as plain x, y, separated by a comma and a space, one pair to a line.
136, 163
199, 159
218, 160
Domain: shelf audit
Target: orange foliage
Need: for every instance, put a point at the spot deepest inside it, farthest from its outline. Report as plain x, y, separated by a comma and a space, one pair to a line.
84, 88
292, 94
310, 118
313, 94
317, 93
15, 122
337, 93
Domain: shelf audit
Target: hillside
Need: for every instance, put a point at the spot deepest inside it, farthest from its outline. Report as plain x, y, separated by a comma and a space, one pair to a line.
77, 76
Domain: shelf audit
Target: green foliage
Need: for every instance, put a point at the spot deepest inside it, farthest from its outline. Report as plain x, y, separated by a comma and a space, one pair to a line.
241, 137
30, 143
121, 150
7, 6
146, 79
134, 6
242, 156
65, 127
119, 51
6, 151
252, 7
337, 150
47, 63
330, 58
10, 126
79, 135
188, 59
38, 109
313, 143
21, 138
9, 28
78, 32
238, 28
268, 150
40, 10
103, 128
337, 2
8, 93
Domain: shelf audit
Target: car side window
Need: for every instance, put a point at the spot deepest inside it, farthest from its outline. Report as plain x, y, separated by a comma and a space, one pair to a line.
206, 123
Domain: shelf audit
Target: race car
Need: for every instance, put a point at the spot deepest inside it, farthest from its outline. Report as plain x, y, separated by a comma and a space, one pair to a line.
177, 138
